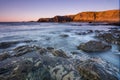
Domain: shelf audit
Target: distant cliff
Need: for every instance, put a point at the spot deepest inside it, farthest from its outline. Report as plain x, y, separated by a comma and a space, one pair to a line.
102, 16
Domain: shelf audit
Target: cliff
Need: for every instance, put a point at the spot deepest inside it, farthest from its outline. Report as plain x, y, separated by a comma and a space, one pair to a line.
101, 16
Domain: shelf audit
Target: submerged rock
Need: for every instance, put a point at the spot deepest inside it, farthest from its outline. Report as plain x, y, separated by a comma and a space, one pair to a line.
113, 36
84, 32
59, 53
94, 46
4, 56
22, 50
92, 70
4, 45
64, 35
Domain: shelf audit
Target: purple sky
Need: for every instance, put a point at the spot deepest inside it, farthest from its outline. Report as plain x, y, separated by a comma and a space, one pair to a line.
26, 10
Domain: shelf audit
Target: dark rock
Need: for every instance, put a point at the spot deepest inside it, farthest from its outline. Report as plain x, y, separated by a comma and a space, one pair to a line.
23, 67
112, 37
89, 31
4, 56
64, 35
75, 53
42, 51
4, 45
97, 31
50, 48
84, 32
59, 53
92, 70
16, 71
4, 70
94, 46
22, 50
81, 33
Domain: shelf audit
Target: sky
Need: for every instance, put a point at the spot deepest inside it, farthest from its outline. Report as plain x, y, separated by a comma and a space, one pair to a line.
32, 10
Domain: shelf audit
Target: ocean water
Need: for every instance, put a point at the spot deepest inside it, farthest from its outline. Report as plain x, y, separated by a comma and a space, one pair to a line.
50, 35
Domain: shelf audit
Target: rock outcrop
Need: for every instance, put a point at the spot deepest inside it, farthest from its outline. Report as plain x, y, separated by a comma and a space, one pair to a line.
111, 36
91, 16
94, 46
56, 19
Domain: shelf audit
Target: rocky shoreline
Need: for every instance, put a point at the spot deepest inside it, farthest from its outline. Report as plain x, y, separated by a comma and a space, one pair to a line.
110, 17
32, 62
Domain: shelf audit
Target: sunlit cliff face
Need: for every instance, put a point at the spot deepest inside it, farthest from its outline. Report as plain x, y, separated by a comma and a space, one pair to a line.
93, 16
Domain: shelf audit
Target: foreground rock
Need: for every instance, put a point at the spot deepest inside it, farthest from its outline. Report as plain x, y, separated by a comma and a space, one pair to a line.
112, 36
4, 45
36, 63
4, 56
94, 46
92, 69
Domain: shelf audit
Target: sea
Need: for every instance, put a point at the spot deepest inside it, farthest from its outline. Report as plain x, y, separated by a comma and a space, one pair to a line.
54, 35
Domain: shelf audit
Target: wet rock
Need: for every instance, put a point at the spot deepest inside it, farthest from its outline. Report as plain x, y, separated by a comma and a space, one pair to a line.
92, 70
81, 33
22, 50
64, 35
4, 70
4, 56
23, 67
94, 46
61, 68
75, 53
41, 73
84, 32
42, 51
50, 48
113, 36
4, 45
89, 31
16, 71
59, 53
99, 31
108, 37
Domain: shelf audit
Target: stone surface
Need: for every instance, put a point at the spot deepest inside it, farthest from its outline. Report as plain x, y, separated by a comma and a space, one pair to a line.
113, 36
64, 35
4, 45
94, 46
4, 55
59, 53
92, 70
36, 66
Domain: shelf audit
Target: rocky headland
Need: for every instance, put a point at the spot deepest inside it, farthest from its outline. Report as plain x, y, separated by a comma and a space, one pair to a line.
110, 16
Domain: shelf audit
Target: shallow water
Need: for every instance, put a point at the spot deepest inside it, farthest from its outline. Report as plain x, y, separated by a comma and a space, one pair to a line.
48, 35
